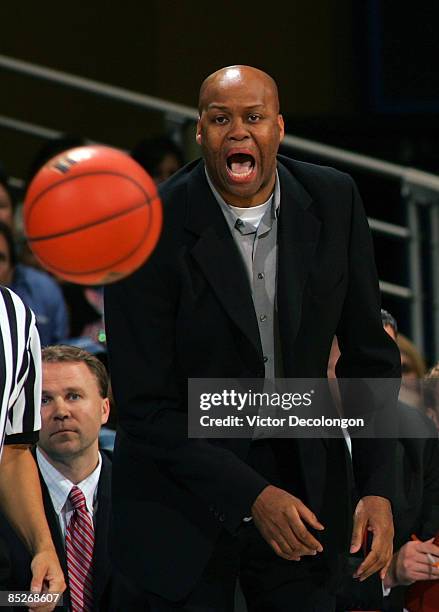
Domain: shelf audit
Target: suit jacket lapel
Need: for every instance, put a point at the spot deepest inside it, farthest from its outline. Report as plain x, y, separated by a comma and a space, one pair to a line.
218, 257
55, 531
101, 560
298, 234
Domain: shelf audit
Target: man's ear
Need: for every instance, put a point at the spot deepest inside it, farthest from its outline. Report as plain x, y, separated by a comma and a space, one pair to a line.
198, 134
105, 410
280, 122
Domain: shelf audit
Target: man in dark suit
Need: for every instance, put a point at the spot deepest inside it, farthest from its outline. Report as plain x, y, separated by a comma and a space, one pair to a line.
260, 263
74, 406
415, 507
416, 503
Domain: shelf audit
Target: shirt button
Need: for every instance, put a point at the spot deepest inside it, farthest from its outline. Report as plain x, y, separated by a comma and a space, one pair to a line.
239, 223
263, 318
260, 275
265, 358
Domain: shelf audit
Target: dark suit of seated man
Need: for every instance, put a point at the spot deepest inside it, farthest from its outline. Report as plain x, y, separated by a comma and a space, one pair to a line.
415, 507
75, 479
415, 510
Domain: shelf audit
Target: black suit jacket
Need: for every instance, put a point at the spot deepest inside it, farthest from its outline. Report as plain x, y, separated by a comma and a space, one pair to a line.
20, 560
188, 313
416, 507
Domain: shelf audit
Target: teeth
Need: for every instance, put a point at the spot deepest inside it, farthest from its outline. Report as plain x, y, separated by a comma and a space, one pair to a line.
241, 174
241, 167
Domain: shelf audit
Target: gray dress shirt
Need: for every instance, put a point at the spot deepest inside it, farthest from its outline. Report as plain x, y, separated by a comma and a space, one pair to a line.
258, 248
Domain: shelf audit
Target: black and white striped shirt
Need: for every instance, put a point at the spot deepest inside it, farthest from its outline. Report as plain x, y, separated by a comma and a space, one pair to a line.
20, 372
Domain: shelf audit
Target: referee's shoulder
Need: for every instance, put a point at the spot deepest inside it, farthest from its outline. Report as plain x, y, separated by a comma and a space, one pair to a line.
13, 302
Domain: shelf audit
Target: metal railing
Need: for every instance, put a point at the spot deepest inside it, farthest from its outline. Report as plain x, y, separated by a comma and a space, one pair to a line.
418, 188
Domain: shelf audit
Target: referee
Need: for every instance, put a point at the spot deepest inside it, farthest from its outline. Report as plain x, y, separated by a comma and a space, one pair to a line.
20, 401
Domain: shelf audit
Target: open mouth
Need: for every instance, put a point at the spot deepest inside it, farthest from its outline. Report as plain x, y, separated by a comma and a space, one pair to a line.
240, 166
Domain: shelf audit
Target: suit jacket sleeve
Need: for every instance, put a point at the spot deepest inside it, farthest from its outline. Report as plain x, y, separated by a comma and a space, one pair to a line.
428, 522
141, 315
368, 352
425, 517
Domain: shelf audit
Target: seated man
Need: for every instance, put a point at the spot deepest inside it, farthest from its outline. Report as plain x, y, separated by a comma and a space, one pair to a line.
7, 201
416, 511
75, 478
416, 504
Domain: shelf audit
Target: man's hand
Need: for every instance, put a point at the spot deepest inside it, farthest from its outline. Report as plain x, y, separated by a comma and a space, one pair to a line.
413, 561
279, 517
373, 514
47, 577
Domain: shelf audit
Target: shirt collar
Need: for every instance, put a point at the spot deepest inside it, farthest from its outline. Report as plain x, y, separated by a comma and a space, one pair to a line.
59, 486
275, 198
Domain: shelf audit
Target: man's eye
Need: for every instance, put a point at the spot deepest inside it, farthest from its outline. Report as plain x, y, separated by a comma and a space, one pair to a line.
73, 396
220, 119
45, 400
254, 118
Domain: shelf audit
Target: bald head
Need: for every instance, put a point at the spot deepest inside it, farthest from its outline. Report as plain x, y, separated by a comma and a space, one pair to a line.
239, 131
237, 76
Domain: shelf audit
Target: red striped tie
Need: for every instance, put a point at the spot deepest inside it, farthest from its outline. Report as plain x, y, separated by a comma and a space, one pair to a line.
79, 552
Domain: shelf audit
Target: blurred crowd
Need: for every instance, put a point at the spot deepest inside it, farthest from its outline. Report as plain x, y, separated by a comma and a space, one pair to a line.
66, 313
73, 314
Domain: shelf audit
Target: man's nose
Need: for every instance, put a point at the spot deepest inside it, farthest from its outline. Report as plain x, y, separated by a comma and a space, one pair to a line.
62, 410
238, 130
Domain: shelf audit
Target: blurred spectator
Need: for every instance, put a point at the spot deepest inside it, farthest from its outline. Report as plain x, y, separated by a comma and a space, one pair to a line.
52, 147
413, 371
27, 256
412, 362
7, 200
8, 205
160, 157
37, 289
431, 395
434, 372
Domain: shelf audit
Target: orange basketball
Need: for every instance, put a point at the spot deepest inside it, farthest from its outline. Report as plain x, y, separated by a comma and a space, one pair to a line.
92, 215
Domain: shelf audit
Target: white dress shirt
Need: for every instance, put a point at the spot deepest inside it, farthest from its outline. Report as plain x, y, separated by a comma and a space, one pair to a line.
59, 488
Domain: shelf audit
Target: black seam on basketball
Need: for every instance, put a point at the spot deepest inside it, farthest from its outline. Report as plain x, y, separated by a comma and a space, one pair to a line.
113, 263
87, 225
64, 180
